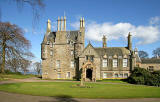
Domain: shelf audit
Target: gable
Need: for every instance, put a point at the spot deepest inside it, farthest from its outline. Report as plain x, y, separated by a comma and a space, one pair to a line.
89, 50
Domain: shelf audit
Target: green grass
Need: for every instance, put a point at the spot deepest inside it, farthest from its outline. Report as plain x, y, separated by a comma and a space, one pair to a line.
14, 76
99, 90
112, 80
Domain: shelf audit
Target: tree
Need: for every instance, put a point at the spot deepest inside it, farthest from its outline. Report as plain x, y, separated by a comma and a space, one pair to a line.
24, 65
13, 44
156, 52
143, 54
37, 67
36, 6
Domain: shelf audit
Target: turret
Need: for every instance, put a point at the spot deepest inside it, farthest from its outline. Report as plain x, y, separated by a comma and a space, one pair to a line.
104, 41
129, 41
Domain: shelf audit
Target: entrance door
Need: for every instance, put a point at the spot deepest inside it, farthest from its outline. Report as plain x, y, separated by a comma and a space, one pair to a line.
89, 74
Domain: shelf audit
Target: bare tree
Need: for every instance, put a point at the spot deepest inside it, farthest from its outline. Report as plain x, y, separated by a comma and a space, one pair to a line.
24, 65
143, 54
156, 52
37, 7
37, 67
13, 44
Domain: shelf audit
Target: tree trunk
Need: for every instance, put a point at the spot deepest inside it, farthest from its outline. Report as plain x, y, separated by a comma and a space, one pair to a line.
3, 56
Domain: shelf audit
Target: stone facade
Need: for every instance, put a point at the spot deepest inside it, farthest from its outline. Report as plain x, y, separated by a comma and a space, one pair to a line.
65, 57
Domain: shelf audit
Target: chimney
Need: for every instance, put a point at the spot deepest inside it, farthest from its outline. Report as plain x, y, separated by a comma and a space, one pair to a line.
104, 41
58, 24
64, 23
48, 26
81, 22
61, 28
83, 25
129, 41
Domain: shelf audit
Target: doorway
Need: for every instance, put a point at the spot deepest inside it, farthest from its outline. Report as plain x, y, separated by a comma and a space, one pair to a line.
89, 74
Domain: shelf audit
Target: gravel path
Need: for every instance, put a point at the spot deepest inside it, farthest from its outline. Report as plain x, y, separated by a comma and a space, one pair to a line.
13, 97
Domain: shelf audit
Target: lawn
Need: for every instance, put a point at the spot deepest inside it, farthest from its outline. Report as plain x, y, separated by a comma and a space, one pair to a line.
14, 76
99, 90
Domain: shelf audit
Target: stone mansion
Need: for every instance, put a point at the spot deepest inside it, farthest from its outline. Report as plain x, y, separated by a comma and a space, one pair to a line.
64, 56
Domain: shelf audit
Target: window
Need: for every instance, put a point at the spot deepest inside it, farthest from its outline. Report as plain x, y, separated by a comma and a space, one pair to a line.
116, 75
104, 63
51, 52
121, 75
104, 75
59, 75
68, 75
125, 61
86, 57
72, 64
151, 68
72, 52
126, 75
58, 63
115, 63
51, 44
90, 57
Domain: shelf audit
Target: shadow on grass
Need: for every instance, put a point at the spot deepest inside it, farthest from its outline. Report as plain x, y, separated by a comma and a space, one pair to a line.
61, 98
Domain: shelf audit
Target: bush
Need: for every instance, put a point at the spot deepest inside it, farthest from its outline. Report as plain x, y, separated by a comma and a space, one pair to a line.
10, 72
144, 77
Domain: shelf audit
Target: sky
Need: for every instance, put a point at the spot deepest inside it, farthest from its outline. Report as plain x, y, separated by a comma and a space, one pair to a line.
113, 18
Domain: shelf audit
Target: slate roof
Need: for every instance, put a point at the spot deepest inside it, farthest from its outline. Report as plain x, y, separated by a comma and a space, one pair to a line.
150, 61
111, 51
73, 35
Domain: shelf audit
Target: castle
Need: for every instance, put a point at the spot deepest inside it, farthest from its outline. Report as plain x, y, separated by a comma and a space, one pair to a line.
64, 56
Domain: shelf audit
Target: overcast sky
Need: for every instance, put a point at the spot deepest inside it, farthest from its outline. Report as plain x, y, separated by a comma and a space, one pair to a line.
113, 18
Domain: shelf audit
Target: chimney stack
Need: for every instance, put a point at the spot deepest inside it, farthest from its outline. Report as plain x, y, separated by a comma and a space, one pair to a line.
82, 22
104, 41
61, 24
64, 23
58, 24
129, 41
48, 26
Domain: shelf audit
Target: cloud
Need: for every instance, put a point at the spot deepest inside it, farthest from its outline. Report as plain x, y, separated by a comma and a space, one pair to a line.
144, 34
26, 30
154, 20
75, 25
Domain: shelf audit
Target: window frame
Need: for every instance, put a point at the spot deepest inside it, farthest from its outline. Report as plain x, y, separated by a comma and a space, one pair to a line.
115, 60
104, 62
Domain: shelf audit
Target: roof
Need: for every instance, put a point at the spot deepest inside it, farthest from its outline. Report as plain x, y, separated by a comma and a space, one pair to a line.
73, 35
111, 51
150, 61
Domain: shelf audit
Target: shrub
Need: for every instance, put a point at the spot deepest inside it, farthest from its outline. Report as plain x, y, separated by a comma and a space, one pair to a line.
144, 77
